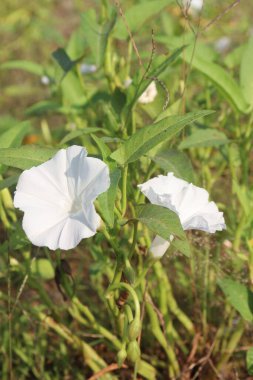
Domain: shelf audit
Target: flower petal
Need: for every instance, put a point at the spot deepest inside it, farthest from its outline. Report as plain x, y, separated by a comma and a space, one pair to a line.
57, 198
159, 246
188, 201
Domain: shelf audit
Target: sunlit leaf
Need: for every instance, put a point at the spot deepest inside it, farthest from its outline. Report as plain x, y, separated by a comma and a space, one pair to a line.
148, 137
137, 15
246, 72
26, 156
31, 67
204, 137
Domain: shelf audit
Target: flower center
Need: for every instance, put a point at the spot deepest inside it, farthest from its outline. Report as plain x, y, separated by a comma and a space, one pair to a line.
75, 207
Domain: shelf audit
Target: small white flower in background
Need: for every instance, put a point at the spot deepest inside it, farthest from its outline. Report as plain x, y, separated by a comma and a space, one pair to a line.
148, 96
193, 5
222, 44
189, 202
58, 197
45, 80
86, 68
127, 82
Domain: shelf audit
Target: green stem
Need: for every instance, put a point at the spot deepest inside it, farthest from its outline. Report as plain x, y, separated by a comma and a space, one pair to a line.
126, 286
205, 295
135, 237
95, 325
239, 232
157, 332
124, 191
91, 358
231, 345
172, 304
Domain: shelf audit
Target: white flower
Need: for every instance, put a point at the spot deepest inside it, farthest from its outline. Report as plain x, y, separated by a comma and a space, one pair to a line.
189, 202
57, 198
86, 68
45, 80
222, 44
193, 5
148, 96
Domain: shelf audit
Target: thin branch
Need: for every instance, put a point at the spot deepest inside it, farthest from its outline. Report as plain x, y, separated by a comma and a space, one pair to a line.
217, 18
110, 368
118, 5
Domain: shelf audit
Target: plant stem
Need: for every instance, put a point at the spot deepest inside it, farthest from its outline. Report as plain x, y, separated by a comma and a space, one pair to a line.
172, 304
231, 345
157, 332
124, 191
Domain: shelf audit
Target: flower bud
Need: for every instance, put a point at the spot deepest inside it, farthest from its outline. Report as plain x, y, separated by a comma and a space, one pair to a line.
134, 329
121, 357
133, 351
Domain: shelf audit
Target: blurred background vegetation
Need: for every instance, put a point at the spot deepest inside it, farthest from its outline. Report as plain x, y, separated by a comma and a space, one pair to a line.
32, 31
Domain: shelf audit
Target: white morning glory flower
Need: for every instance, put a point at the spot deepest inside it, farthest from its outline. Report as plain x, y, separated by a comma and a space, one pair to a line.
58, 197
148, 96
189, 202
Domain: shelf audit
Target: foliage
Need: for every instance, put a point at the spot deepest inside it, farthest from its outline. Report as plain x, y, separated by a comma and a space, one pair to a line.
72, 314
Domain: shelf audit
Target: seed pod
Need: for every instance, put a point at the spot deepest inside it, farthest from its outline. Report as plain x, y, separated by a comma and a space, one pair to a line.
133, 351
134, 329
121, 357
129, 274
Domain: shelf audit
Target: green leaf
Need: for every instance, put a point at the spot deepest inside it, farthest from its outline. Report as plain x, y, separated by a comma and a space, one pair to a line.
233, 59
160, 220
31, 67
42, 108
173, 160
204, 137
104, 149
249, 361
13, 136
63, 60
43, 268
148, 137
74, 134
26, 156
106, 200
246, 73
182, 246
8, 182
97, 35
137, 15
220, 77
72, 91
239, 296
222, 80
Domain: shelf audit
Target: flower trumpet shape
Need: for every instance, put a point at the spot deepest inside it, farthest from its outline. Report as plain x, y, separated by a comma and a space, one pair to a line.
58, 197
189, 202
